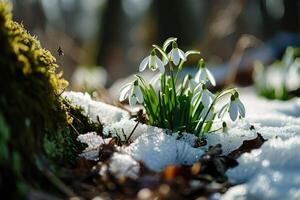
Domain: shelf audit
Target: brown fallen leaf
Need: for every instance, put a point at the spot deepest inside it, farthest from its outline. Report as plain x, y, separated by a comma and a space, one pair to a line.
247, 146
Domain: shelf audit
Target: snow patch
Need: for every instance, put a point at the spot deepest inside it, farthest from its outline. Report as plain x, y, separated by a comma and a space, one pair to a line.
271, 172
124, 165
158, 149
93, 141
107, 113
232, 138
124, 128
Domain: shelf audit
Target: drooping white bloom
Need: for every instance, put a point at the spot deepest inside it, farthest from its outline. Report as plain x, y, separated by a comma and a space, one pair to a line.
153, 62
133, 92
176, 54
204, 74
206, 96
293, 76
236, 107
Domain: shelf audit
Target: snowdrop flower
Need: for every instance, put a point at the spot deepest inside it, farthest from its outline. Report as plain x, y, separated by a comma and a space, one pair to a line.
206, 96
153, 62
176, 54
293, 76
204, 74
236, 107
133, 92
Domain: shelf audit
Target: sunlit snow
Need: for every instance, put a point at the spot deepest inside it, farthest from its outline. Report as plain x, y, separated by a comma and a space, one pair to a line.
271, 172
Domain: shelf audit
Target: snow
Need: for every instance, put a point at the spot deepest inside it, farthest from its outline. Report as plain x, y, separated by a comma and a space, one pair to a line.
124, 165
154, 146
232, 138
93, 141
158, 149
125, 126
271, 172
106, 113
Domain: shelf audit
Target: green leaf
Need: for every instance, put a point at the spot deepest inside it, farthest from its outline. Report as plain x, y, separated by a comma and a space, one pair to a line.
161, 51
141, 79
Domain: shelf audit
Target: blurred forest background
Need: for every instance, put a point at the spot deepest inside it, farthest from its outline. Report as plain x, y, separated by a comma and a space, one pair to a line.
99, 36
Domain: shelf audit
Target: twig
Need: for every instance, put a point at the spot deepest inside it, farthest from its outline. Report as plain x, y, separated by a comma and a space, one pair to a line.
132, 132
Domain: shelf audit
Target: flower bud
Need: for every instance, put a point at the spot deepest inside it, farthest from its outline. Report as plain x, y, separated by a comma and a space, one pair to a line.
201, 63
174, 45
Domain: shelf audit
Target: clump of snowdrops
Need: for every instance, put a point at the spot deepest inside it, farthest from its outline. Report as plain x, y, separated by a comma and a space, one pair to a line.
186, 104
280, 78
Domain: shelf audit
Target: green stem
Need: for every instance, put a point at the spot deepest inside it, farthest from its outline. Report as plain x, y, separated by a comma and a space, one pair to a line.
178, 70
173, 82
174, 89
200, 123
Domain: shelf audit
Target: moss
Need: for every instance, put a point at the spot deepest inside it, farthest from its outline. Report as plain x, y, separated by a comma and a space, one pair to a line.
35, 121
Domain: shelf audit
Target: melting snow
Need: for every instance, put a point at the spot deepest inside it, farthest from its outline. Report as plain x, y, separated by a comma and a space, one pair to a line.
271, 172
158, 149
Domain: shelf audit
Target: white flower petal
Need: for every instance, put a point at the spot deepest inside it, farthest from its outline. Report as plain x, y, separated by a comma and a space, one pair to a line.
198, 75
210, 77
205, 99
241, 108
138, 94
164, 60
144, 64
132, 100
233, 110
160, 65
201, 76
203, 112
211, 95
125, 91
175, 56
181, 54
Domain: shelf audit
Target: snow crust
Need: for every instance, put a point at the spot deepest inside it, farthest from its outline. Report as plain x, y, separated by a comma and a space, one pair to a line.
158, 149
93, 109
271, 172
232, 138
154, 146
124, 165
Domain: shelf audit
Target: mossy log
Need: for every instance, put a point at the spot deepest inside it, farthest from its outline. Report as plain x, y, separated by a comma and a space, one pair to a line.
37, 125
